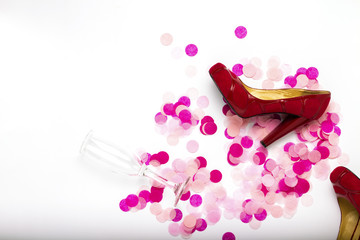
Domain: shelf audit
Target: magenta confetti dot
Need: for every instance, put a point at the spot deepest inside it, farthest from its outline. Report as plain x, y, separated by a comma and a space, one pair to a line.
206, 119
210, 128
287, 146
228, 236
160, 118
299, 168
185, 115
185, 100
240, 32
195, 200
259, 158
236, 150
302, 187
145, 194
163, 157
215, 176
132, 200
202, 162
337, 130
156, 194
246, 142
191, 50
291, 81
185, 196
227, 135
327, 126
260, 214
178, 215
312, 73
301, 70
123, 206
201, 224
169, 109
238, 69
324, 151
245, 218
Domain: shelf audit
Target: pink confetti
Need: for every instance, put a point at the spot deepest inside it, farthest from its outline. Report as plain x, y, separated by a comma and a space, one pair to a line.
240, 32
192, 146
215, 176
238, 69
195, 200
228, 236
191, 50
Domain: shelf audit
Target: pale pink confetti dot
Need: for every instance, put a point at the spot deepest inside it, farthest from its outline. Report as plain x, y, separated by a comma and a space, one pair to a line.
166, 39
286, 69
229, 215
203, 101
291, 202
307, 200
302, 80
258, 75
198, 186
161, 217
213, 216
249, 70
268, 180
192, 146
343, 159
335, 118
177, 52
174, 229
333, 139
335, 152
179, 165
268, 84
191, 50
270, 198
254, 224
274, 74
237, 69
190, 71
269, 165
273, 62
322, 170
172, 140
155, 208
191, 168
314, 156
256, 61
277, 211
228, 236
291, 181
189, 221
240, 32
198, 113
192, 93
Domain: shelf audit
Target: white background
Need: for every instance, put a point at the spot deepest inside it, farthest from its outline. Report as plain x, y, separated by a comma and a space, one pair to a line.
70, 66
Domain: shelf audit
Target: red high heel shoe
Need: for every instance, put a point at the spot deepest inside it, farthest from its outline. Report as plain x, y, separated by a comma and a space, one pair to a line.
347, 188
302, 106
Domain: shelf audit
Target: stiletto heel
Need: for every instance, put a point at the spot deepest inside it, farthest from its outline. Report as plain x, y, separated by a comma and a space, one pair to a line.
302, 105
347, 188
290, 123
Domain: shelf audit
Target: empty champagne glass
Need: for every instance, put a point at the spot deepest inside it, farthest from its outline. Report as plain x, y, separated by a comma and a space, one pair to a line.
121, 160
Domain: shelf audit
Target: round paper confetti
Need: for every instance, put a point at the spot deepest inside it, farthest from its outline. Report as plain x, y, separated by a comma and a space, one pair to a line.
240, 32
228, 236
166, 39
192, 146
191, 50
215, 176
